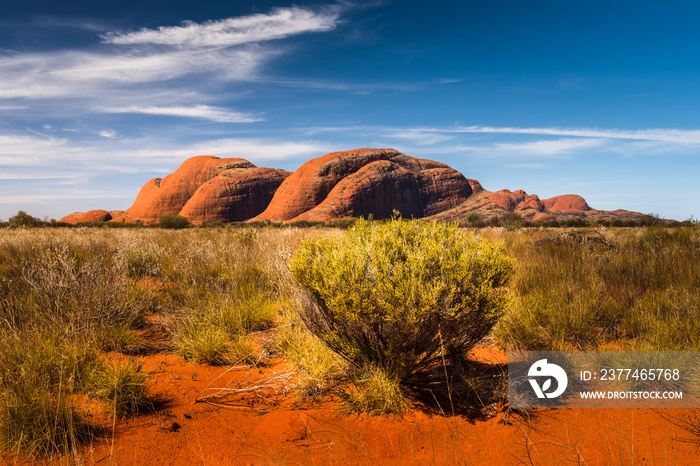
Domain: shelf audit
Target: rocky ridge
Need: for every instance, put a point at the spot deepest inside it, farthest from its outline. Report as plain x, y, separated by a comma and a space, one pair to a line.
346, 184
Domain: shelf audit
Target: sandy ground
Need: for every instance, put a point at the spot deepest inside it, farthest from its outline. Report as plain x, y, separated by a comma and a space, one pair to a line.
240, 429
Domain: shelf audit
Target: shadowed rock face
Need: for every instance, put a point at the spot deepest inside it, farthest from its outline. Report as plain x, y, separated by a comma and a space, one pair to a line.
169, 195
234, 195
359, 182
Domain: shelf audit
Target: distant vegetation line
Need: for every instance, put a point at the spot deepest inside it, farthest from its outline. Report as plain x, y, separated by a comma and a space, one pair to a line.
508, 220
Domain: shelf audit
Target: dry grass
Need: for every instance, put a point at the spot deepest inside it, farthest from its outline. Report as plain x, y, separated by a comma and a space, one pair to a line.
638, 290
69, 295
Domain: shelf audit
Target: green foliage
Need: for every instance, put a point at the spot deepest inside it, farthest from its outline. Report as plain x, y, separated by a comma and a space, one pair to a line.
38, 374
173, 222
318, 364
398, 295
142, 263
343, 223
123, 385
23, 219
377, 393
508, 220
635, 289
203, 342
247, 237
41, 422
307, 224
121, 337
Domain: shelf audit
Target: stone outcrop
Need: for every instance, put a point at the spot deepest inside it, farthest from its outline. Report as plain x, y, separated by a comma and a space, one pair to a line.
487, 205
234, 195
566, 203
348, 184
91, 216
367, 181
169, 195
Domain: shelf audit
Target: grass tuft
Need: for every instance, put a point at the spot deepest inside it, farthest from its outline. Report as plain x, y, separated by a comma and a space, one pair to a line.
40, 421
124, 386
376, 393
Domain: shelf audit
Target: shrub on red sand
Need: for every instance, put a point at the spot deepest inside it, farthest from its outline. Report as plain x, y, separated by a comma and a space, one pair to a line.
400, 295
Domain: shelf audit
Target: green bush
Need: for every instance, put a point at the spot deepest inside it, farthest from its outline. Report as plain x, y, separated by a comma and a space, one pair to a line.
399, 295
23, 219
173, 222
124, 386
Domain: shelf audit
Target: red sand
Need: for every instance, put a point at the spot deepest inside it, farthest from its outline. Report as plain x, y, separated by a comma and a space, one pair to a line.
187, 432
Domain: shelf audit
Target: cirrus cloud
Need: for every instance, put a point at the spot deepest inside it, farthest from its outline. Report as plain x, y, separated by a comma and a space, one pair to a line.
280, 23
205, 112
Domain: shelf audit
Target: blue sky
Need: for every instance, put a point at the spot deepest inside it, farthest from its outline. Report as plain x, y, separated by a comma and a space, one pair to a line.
597, 98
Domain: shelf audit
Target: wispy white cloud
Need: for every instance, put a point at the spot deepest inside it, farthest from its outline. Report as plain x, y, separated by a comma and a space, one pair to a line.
205, 112
70, 23
546, 148
355, 88
667, 135
108, 133
228, 50
281, 22
90, 75
67, 195
518, 141
255, 150
35, 156
419, 137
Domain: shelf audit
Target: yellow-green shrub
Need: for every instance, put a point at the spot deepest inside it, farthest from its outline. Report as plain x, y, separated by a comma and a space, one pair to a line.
400, 294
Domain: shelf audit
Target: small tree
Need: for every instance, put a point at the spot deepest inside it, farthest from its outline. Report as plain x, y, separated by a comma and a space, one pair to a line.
23, 219
173, 222
400, 295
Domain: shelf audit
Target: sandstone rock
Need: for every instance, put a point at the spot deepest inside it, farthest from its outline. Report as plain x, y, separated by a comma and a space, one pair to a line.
169, 195
566, 202
234, 195
337, 185
364, 181
91, 216
504, 199
475, 185
72, 218
530, 202
488, 205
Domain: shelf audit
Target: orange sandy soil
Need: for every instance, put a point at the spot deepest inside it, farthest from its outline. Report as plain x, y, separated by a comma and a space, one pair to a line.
240, 430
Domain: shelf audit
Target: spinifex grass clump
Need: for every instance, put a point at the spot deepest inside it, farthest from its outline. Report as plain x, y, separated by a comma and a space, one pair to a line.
396, 297
639, 290
123, 385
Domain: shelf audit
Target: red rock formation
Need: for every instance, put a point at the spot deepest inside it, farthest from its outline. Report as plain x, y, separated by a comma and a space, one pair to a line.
169, 195
505, 199
72, 218
234, 195
530, 202
91, 216
337, 185
364, 181
475, 185
488, 205
566, 202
